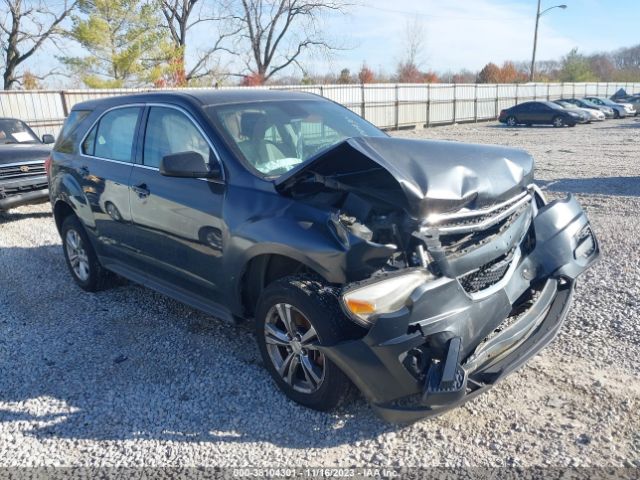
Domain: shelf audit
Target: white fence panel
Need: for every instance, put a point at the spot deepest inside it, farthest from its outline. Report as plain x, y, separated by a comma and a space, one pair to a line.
385, 105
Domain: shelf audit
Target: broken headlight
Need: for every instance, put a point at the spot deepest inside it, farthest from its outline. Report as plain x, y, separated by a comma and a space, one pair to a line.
385, 296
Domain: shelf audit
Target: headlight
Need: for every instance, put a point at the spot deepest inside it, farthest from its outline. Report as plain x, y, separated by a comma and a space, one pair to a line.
385, 296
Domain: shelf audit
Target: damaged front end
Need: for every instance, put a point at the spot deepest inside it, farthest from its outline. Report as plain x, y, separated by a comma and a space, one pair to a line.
459, 269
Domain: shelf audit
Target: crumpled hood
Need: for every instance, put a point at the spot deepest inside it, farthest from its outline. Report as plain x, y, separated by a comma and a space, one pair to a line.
424, 177
23, 152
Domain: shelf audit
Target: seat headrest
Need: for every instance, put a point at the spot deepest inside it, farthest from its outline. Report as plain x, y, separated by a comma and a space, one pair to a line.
250, 121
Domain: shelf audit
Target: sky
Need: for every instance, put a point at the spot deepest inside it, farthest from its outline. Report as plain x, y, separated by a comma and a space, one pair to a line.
457, 33
470, 33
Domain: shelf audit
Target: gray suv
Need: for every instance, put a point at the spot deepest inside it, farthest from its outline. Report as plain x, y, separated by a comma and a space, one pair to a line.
419, 272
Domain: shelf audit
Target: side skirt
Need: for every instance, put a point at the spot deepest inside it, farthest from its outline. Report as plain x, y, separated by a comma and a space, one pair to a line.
166, 288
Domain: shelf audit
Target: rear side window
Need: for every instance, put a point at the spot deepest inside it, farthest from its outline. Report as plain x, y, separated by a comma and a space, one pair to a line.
113, 136
170, 131
65, 138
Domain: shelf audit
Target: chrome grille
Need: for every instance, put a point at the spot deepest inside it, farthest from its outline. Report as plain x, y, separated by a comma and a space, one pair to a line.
458, 234
21, 170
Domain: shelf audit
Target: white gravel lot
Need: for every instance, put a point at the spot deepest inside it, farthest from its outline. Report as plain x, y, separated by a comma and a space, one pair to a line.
128, 377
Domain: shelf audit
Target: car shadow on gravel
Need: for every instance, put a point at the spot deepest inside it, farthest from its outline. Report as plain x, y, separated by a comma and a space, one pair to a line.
616, 186
6, 217
128, 363
634, 124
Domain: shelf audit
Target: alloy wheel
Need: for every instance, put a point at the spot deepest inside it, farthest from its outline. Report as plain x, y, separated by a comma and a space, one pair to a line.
291, 343
77, 255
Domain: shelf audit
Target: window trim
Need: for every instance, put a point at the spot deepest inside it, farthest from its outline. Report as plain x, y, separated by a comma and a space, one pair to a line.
195, 123
97, 120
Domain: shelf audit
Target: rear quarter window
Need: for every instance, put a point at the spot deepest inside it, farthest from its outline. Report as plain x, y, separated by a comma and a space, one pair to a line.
66, 137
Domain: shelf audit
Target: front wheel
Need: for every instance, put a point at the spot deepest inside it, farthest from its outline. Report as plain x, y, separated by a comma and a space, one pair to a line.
511, 121
558, 122
294, 315
616, 114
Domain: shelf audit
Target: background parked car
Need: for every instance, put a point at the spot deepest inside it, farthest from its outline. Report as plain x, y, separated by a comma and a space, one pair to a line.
583, 103
591, 114
633, 100
539, 113
584, 116
22, 155
620, 110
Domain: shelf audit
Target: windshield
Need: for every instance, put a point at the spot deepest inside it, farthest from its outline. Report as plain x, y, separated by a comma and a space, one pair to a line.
274, 137
567, 105
555, 106
15, 131
589, 103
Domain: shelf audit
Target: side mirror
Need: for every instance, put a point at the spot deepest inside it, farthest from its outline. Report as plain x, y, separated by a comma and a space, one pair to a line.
47, 138
188, 165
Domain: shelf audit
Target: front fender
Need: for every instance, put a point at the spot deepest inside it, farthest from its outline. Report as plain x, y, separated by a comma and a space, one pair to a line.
309, 242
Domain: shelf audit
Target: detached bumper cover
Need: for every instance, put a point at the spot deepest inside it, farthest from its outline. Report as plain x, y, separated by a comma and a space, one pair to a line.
493, 339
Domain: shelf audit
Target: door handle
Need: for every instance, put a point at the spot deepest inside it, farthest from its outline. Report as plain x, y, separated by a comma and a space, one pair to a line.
141, 190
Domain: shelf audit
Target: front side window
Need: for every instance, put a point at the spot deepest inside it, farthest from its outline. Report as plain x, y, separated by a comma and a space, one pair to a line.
113, 136
16, 131
273, 137
169, 131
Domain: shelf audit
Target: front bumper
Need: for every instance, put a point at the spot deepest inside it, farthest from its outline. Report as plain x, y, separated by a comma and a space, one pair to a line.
22, 191
392, 365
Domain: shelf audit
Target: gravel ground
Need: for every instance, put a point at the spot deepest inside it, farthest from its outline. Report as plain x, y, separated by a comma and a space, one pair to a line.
128, 377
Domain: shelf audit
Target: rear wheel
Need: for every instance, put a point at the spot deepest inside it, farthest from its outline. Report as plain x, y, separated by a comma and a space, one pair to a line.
81, 257
294, 315
511, 121
558, 121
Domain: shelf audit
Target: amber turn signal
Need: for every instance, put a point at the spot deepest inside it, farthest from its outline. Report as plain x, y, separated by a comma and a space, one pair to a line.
360, 307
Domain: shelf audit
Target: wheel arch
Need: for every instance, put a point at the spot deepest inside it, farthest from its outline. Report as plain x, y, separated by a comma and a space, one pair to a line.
61, 211
264, 269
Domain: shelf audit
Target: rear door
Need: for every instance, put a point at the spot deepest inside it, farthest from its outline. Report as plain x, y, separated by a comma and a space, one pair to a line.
179, 232
106, 161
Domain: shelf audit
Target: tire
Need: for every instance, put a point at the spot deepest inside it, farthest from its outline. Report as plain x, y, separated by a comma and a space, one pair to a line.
616, 114
511, 121
81, 258
558, 121
301, 371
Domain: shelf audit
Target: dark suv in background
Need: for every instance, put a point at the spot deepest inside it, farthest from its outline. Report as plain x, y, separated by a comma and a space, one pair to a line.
420, 272
539, 113
22, 171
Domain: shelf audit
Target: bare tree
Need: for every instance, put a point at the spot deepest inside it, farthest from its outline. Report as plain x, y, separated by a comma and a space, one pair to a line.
415, 40
280, 31
182, 15
24, 27
408, 70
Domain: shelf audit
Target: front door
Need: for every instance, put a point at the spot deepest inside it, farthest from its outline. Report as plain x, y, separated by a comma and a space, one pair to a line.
179, 232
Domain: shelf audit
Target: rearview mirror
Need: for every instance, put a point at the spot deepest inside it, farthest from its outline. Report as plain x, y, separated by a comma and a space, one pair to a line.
188, 165
48, 138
